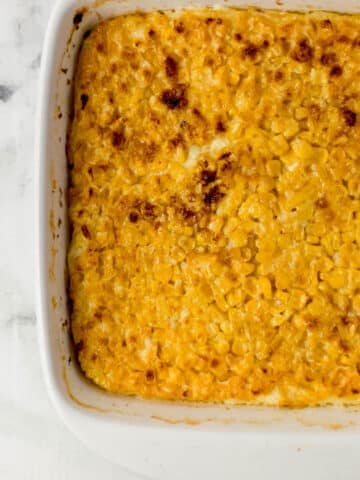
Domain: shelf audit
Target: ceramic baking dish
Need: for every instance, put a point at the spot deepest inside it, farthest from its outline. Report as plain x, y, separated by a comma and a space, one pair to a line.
166, 440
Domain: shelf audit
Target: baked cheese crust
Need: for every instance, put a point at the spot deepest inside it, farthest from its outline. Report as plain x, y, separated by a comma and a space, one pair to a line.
214, 204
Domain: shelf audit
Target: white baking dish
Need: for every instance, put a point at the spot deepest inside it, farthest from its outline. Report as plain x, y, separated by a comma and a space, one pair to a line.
166, 440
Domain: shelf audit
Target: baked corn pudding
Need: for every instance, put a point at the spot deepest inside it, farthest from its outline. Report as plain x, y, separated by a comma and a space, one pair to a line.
214, 205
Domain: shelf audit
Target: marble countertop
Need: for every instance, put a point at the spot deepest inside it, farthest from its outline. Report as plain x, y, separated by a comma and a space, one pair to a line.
34, 444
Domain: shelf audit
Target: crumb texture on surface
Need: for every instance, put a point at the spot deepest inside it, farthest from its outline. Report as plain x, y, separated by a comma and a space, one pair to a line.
214, 205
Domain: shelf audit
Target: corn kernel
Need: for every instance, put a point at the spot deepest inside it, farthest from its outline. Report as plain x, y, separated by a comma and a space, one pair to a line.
238, 346
313, 240
273, 168
265, 287
216, 224
337, 278
222, 346
356, 303
236, 297
301, 113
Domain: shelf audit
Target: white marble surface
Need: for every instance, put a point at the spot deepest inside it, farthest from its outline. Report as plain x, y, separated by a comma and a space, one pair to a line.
34, 445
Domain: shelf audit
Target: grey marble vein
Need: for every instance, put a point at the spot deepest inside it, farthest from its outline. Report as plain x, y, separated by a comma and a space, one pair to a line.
6, 92
35, 64
21, 319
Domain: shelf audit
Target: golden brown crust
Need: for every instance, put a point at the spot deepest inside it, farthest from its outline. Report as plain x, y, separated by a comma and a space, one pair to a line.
215, 206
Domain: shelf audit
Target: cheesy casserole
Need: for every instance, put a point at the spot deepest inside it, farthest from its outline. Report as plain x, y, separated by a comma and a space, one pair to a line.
214, 205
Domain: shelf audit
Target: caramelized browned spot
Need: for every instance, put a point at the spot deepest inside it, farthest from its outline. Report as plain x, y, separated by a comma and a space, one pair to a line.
187, 213
174, 97
150, 375
315, 112
176, 141
303, 52
322, 202
133, 217
349, 117
278, 75
256, 391
171, 67
238, 37
79, 347
208, 176
226, 166
344, 39
179, 27
118, 139
84, 100
311, 322
85, 231
148, 210
336, 71
220, 127
250, 51
328, 58
213, 195
326, 23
